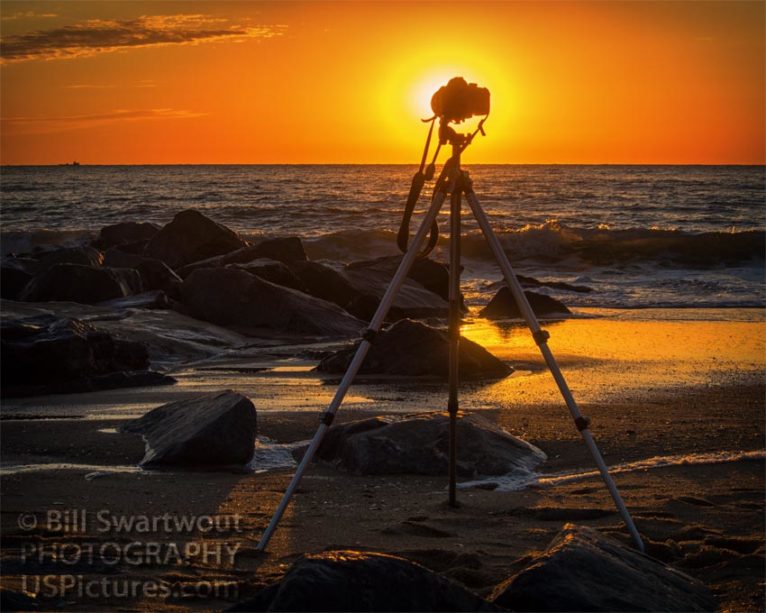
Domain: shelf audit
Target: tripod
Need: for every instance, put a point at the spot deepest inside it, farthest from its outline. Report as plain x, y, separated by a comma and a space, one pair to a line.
456, 183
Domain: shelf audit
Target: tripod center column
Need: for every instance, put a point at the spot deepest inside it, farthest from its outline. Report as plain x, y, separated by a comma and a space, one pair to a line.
454, 318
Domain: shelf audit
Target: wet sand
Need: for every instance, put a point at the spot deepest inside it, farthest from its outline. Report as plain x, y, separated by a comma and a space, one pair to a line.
704, 518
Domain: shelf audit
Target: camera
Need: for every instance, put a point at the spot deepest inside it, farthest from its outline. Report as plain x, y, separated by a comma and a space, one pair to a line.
459, 100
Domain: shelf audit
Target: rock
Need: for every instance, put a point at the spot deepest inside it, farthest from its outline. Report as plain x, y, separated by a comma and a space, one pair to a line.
324, 282
85, 284
419, 444
583, 570
85, 256
126, 232
273, 271
411, 348
11, 600
156, 275
532, 282
15, 273
412, 300
503, 305
432, 275
217, 429
43, 355
115, 257
285, 250
191, 237
234, 298
362, 581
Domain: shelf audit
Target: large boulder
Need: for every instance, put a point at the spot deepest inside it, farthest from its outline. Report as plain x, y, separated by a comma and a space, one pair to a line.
362, 581
503, 305
410, 348
238, 300
126, 232
191, 237
84, 284
211, 430
44, 355
412, 300
15, 273
85, 256
286, 250
156, 275
325, 282
583, 570
432, 275
419, 444
273, 271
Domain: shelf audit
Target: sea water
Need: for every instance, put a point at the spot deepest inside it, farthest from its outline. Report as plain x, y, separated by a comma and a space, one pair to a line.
635, 236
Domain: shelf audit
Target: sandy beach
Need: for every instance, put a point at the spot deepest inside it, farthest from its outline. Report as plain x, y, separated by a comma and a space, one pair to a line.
677, 403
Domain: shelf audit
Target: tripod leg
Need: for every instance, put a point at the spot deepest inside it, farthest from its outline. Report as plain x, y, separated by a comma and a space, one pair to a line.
375, 324
454, 336
541, 338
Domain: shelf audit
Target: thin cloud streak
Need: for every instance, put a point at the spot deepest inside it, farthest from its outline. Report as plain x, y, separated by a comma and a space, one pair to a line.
46, 125
103, 36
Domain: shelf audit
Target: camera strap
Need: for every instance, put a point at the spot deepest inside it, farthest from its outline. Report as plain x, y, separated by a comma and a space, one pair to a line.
418, 180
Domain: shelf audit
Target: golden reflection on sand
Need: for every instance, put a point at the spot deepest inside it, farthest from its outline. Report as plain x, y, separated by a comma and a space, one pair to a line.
606, 358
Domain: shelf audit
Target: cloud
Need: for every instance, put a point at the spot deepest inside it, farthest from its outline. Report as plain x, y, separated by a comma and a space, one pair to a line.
45, 125
105, 35
143, 84
27, 15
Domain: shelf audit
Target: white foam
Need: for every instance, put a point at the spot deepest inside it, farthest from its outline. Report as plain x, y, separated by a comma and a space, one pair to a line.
269, 455
514, 482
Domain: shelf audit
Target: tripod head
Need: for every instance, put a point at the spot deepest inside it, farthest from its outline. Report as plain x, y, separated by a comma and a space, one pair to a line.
454, 102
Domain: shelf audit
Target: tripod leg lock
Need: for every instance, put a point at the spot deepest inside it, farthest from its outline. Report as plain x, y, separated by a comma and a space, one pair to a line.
327, 418
582, 423
541, 336
369, 335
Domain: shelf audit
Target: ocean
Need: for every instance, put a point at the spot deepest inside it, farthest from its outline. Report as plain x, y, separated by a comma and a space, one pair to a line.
636, 236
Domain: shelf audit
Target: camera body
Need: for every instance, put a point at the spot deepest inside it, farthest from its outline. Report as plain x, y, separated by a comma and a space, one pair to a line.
459, 100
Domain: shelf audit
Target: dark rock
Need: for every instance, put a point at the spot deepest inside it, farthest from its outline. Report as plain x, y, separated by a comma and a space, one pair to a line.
412, 300
432, 275
84, 284
11, 600
115, 257
285, 250
273, 271
156, 299
236, 299
210, 430
532, 282
583, 570
503, 305
356, 581
15, 273
46, 355
85, 256
324, 282
419, 444
126, 232
411, 348
191, 237
156, 275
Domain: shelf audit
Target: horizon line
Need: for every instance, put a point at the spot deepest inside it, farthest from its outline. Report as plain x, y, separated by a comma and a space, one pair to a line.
80, 164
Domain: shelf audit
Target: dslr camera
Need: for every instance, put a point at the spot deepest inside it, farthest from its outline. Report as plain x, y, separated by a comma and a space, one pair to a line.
459, 100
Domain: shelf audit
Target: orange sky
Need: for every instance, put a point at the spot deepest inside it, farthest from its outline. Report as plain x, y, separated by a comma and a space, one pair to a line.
290, 82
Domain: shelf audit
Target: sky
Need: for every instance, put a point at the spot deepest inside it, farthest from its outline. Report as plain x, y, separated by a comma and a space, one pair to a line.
313, 82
